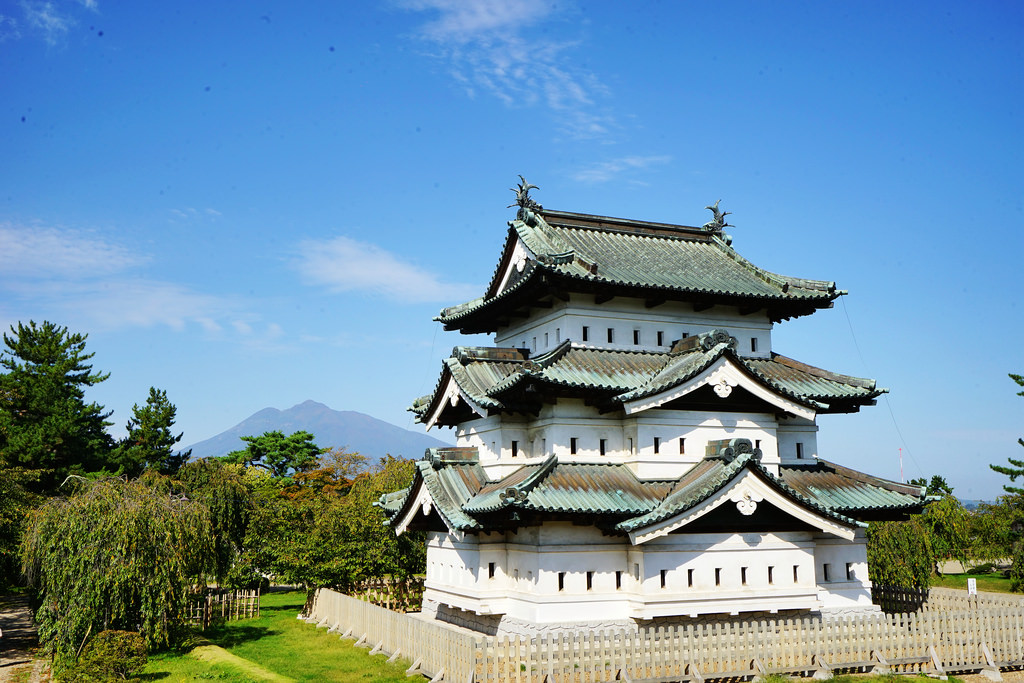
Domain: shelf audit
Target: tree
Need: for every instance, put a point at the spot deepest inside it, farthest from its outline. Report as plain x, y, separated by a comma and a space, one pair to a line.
114, 555
45, 424
948, 526
900, 554
1016, 467
223, 489
150, 441
936, 486
15, 502
278, 454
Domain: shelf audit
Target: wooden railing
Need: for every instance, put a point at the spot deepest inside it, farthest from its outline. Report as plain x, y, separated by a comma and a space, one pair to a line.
218, 606
399, 596
934, 641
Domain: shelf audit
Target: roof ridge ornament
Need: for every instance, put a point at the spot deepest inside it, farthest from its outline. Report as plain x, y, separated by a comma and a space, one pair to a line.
527, 206
717, 225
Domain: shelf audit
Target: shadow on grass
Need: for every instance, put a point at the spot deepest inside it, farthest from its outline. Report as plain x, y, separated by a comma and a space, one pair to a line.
151, 677
228, 637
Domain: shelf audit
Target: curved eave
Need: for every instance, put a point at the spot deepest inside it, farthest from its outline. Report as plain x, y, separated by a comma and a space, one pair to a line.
727, 485
482, 315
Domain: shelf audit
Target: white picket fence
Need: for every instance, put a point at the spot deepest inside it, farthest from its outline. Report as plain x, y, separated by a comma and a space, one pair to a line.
972, 638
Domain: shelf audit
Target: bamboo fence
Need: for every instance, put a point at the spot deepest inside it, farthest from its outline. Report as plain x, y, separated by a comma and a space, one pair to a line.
215, 606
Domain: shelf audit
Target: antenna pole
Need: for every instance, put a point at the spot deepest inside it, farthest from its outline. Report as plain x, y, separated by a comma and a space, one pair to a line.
902, 480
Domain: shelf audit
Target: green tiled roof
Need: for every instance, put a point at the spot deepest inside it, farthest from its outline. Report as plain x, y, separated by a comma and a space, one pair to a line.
577, 252
589, 492
618, 377
848, 491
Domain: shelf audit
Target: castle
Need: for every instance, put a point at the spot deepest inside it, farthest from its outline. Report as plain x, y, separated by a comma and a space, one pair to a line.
632, 448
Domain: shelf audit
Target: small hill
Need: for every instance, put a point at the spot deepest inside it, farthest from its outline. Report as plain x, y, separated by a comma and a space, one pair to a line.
357, 432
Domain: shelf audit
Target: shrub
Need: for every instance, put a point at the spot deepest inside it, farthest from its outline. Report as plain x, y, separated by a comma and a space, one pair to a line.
111, 656
1017, 569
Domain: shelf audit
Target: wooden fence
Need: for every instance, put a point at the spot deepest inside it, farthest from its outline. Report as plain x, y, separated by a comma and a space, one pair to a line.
216, 606
400, 596
980, 639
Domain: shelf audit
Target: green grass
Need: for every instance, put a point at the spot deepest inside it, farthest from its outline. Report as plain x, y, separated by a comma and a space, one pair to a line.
276, 643
995, 582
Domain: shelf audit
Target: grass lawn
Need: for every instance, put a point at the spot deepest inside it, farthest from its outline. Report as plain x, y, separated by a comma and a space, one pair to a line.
277, 646
986, 582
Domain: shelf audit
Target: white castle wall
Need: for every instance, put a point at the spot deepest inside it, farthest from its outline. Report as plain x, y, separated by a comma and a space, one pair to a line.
544, 330
558, 572
627, 439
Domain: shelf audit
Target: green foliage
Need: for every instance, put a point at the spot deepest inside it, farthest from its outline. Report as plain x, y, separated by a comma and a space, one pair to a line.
1017, 568
15, 502
948, 526
1016, 467
223, 489
114, 555
936, 486
150, 441
110, 656
322, 538
996, 528
278, 454
45, 424
900, 553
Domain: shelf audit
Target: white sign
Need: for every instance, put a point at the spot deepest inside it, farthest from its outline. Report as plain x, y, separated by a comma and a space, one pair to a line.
972, 586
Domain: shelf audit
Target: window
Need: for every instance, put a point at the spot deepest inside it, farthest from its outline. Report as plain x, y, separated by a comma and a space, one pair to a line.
664, 577
561, 581
631, 445
799, 450
796, 573
590, 581
661, 338
743, 576
611, 335
586, 333
757, 443
618, 580
545, 340
689, 578
753, 344
771, 575
682, 446
685, 335
558, 335
636, 337
515, 448
490, 570
657, 445
826, 572
849, 571
533, 344
636, 570
543, 446
572, 446
604, 446
718, 576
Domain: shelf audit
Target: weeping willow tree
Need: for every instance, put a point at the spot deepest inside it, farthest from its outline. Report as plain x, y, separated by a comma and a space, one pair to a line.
114, 555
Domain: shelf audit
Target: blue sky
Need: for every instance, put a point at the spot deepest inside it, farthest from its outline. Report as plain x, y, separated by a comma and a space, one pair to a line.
250, 204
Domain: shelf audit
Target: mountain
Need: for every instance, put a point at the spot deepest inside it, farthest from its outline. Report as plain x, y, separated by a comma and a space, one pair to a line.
357, 432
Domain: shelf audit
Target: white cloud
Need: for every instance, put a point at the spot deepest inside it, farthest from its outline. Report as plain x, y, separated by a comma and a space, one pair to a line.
31, 251
47, 19
611, 170
490, 47
343, 264
70, 275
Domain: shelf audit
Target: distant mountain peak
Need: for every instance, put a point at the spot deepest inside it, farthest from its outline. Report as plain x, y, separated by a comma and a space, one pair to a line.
356, 432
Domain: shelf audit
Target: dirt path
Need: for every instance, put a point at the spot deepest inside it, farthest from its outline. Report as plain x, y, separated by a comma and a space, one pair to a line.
18, 641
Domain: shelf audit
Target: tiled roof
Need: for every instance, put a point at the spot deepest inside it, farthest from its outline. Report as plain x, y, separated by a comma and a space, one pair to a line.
618, 376
577, 252
594, 492
848, 491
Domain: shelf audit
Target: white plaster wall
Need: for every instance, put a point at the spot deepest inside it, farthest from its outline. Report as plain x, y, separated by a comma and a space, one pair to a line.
546, 328
540, 574
628, 439
794, 430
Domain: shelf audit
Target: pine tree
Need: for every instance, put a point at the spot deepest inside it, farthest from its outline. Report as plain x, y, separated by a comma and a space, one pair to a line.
150, 441
1016, 467
46, 427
